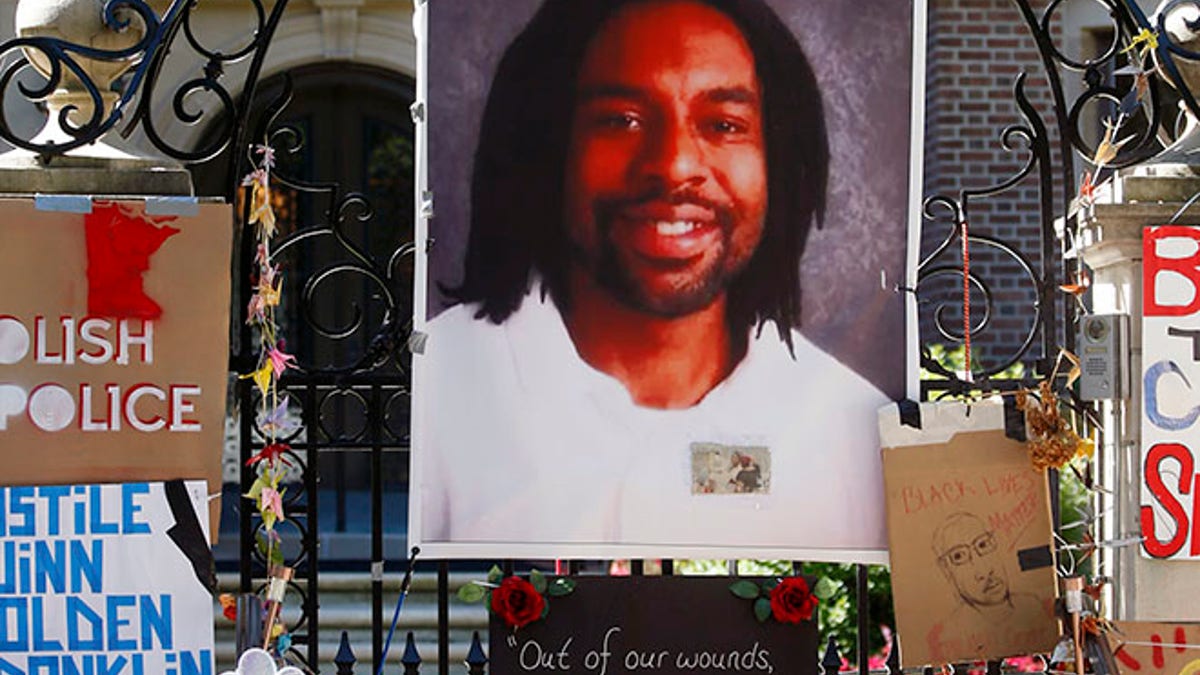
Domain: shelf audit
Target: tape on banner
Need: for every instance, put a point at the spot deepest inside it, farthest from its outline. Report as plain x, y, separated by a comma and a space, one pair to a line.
1035, 558
172, 206
910, 413
416, 342
63, 203
276, 589
1014, 420
1073, 601
189, 536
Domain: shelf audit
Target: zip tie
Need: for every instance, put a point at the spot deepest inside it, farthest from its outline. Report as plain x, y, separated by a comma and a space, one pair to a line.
1186, 205
1115, 543
1173, 645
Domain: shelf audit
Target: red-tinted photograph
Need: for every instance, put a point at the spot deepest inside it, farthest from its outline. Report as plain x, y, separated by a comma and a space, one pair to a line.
668, 252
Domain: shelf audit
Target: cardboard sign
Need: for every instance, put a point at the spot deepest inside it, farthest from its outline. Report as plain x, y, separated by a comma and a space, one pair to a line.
969, 526
1144, 647
114, 336
653, 625
105, 579
1170, 402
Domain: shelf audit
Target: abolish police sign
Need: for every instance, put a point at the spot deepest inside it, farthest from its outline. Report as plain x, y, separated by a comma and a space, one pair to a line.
114, 333
1170, 398
109, 579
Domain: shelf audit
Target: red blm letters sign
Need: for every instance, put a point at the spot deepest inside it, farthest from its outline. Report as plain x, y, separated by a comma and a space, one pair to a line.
1170, 491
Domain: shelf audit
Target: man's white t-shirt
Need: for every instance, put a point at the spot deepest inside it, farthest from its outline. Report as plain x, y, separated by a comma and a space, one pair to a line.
522, 441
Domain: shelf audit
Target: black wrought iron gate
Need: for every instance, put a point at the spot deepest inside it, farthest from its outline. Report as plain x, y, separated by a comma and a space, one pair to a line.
374, 374
349, 308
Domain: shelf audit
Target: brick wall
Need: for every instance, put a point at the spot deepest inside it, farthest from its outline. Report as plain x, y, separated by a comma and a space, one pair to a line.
975, 51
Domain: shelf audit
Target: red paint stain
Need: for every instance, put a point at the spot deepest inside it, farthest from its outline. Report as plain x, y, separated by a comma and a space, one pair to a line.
1126, 658
119, 246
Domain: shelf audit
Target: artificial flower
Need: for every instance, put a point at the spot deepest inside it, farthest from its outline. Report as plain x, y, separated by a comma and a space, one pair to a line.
276, 421
517, 602
268, 155
228, 606
279, 361
261, 377
273, 453
792, 601
270, 506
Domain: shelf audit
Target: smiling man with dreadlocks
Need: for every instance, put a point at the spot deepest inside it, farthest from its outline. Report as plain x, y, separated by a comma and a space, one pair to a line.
646, 177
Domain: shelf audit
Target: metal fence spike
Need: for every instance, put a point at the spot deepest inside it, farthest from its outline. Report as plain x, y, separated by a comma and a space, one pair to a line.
411, 658
832, 661
476, 658
893, 659
345, 659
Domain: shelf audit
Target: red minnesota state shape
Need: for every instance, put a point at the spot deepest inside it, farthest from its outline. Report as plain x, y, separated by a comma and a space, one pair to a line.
119, 246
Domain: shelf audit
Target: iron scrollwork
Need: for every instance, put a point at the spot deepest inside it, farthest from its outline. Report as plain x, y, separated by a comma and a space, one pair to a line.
62, 63
347, 401
1141, 47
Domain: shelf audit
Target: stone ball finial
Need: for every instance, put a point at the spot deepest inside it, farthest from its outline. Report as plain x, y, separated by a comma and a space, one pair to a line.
80, 22
97, 167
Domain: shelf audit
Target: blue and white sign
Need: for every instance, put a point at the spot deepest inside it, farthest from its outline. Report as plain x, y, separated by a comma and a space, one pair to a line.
105, 579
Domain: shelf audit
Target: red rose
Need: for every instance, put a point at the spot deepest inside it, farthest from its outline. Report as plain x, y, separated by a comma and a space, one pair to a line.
791, 601
517, 602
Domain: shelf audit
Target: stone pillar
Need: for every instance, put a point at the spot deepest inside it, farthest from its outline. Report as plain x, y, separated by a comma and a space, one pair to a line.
1110, 242
98, 168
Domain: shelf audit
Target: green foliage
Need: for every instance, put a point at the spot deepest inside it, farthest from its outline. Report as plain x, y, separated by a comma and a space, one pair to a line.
824, 589
837, 613
560, 587
762, 609
1075, 509
954, 359
745, 589
538, 581
471, 592
269, 548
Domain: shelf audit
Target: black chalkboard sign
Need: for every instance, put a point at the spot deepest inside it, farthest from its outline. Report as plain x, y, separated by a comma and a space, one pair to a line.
653, 625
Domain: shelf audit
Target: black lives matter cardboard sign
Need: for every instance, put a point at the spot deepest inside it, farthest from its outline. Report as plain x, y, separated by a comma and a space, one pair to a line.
969, 533
114, 338
610, 625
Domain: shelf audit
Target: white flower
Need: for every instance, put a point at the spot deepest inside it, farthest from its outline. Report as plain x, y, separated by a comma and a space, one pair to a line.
259, 662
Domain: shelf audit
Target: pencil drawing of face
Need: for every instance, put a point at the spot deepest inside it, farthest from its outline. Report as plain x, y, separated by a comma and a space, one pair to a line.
968, 554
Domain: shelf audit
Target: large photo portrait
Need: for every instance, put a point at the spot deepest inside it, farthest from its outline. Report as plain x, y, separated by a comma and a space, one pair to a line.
662, 290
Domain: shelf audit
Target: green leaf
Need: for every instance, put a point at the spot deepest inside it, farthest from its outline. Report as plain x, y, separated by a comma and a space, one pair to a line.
277, 555
538, 580
495, 574
471, 592
560, 587
770, 584
762, 609
825, 588
545, 610
745, 589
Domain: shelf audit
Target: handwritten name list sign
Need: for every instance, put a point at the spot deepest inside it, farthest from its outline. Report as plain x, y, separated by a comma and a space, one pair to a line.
94, 580
659, 625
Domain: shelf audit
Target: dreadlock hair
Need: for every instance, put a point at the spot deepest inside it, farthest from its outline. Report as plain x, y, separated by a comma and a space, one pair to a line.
517, 180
